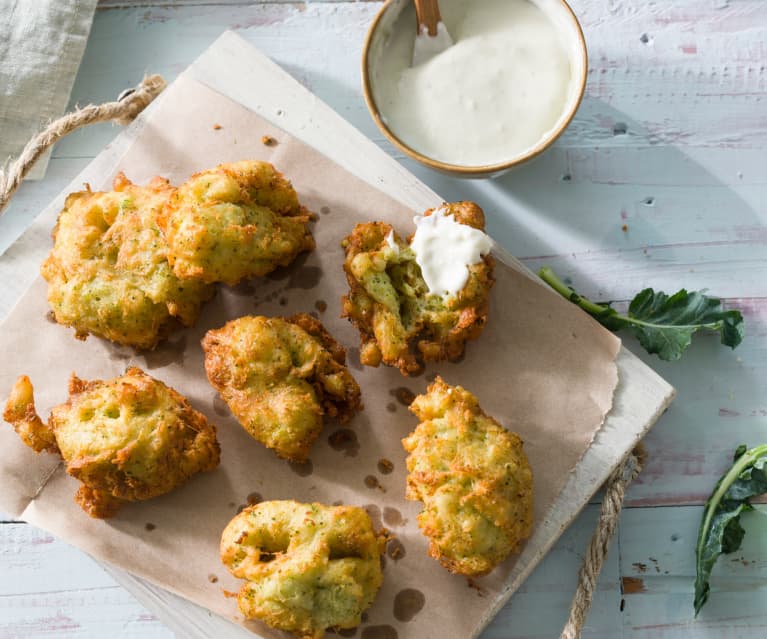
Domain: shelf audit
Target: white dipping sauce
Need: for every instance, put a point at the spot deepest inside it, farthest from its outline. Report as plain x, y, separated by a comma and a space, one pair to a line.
487, 99
444, 249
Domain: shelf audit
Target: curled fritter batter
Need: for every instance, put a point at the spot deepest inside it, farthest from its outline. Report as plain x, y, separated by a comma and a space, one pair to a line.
236, 221
108, 273
126, 439
473, 478
308, 567
280, 377
400, 323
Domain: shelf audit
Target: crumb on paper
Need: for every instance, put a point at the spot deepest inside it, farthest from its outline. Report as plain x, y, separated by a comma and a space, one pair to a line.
625, 228
217, 127
394, 548
403, 395
268, 140
385, 466
212, 578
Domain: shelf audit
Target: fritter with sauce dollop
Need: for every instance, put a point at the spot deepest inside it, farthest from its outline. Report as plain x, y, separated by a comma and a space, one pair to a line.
308, 567
280, 377
127, 439
239, 220
400, 322
108, 273
473, 478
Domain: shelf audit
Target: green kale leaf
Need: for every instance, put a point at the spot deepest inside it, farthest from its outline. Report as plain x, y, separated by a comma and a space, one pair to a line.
664, 324
720, 530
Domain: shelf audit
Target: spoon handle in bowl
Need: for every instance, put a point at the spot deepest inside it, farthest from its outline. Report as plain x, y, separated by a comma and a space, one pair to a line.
427, 14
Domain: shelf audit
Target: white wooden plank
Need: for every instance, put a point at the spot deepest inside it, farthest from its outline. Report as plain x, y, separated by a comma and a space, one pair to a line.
711, 92
658, 571
50, 589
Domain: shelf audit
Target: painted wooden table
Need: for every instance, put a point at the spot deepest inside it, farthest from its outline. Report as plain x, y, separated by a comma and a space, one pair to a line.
659, 181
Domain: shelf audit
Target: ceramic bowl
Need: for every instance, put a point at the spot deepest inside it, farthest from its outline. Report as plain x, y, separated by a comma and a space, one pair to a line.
575, 46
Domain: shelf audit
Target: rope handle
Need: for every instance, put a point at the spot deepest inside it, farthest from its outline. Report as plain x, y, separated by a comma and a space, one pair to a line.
609, 515
124, 110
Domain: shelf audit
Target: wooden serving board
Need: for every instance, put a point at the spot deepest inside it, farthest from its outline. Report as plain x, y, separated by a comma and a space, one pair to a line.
235, 69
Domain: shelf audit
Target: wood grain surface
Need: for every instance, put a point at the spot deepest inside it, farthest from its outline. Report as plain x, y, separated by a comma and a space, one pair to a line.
659, 182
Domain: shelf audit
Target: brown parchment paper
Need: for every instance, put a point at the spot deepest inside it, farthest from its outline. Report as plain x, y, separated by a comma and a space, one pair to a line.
542, 368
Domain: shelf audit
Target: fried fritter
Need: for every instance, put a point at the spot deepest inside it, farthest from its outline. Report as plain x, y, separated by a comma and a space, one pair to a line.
236, 221
280, 377
126, 439
400, 322
309, 567
473, 478
108, 273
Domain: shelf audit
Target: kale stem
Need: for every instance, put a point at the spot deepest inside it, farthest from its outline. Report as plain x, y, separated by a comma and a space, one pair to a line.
742, 463
548, 276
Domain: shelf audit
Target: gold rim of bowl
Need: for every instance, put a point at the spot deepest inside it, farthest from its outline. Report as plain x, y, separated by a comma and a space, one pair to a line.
469, 171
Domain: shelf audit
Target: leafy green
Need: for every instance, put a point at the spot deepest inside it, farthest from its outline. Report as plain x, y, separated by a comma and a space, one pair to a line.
664, 324
720, 530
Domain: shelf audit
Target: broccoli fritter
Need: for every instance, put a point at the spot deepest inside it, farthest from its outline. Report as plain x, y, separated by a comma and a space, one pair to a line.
108, 273
126, 439
280, 377
308, 567
400, 322
236, 221
473, 478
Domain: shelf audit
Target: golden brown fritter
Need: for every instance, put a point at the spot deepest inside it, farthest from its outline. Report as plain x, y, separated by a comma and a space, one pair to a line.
108, 273
126, 439
400, 323
236, 221
309, 567
280, 377
473, 478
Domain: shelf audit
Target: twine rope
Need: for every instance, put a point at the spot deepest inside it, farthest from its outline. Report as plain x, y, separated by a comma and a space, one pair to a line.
122, 111
612, 503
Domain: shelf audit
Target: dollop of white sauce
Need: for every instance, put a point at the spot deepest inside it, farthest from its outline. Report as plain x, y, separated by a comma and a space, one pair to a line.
444, 249
427, 46
491, 97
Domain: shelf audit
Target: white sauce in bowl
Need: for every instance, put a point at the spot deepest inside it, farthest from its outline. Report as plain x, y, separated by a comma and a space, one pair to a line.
444, 249
502, 87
